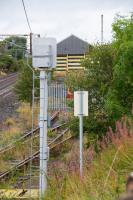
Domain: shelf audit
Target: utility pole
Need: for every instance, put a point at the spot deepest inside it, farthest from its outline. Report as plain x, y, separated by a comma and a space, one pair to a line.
44, 151
30, 43
102, 29
43, 60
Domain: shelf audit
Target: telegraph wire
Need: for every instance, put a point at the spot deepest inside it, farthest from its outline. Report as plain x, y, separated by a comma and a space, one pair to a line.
28, 22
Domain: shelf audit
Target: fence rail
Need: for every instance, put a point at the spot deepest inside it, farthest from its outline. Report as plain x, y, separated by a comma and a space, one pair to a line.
65, 63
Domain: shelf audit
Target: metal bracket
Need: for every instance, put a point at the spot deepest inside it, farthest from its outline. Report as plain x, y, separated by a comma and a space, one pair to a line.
48, 152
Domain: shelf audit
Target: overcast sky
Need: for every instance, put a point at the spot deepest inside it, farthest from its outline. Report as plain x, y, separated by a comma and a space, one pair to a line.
61, 18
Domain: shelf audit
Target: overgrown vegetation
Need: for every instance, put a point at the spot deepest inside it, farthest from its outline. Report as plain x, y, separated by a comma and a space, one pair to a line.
108, 77
104, 172
13, 129
24, 84
12, 52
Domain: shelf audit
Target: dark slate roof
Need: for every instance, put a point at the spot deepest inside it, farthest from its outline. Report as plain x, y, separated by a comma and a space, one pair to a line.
72, 46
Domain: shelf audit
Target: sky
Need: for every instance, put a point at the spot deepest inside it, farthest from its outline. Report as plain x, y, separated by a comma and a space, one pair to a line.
61, 18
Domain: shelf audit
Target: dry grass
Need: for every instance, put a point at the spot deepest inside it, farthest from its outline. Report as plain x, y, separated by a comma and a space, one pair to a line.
14, 128
25, 115
3, 165
12, 133
10, 122
2, 74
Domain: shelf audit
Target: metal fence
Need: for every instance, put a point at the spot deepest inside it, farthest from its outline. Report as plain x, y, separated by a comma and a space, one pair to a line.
57, 93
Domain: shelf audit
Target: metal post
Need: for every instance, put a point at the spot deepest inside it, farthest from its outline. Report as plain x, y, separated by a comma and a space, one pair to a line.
30, 43
81, 110
101, 29
81, 144
81, 134
43, 132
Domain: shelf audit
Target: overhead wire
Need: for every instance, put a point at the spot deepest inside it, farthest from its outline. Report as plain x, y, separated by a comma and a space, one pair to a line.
28, 22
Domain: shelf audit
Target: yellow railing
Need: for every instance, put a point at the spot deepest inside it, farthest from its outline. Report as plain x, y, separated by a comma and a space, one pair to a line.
65, 63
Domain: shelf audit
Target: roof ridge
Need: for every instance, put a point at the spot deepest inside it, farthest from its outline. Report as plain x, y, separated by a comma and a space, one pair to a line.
72, 35
72, 45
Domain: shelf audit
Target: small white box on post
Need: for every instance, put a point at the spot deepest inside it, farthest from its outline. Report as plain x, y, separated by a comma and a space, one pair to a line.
80, 110
44, 52
81, 103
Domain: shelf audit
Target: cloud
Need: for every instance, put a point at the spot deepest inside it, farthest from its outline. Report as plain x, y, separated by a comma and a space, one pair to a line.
60, 18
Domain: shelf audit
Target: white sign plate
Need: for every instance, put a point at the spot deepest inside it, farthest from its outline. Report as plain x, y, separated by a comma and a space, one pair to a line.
44, 52
81, 103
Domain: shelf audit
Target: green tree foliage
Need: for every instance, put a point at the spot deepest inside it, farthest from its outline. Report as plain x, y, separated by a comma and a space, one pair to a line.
6, 62
120, 96
122, 30
76, 79
108, 78
99, 66
24, 84
96, 79
16, 47
10, 54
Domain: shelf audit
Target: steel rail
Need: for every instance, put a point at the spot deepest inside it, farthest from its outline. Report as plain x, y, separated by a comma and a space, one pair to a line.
7, 77
7, 83
2, 77
34, 156
6, 91
28, 134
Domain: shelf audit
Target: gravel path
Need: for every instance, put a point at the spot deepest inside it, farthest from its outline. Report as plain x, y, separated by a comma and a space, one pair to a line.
8, 102
8, 106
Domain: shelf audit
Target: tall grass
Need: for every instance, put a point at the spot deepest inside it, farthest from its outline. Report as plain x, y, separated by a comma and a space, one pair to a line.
25, 115
105, 172
13, 129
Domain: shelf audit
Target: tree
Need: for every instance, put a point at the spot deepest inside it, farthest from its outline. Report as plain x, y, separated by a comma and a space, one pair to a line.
6, 62
24, 84
109, 78
16, 46
122, 30
10, 54
120, 96
97, 79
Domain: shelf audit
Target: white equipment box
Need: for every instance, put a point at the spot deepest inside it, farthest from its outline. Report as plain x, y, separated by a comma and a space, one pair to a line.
81, 103
44, 52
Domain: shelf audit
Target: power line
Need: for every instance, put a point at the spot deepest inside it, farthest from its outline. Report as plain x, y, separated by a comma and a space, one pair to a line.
26, 16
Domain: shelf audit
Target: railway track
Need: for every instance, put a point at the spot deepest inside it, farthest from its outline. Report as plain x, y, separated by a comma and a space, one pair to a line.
6, 84
31, 133
34, 133
24, 162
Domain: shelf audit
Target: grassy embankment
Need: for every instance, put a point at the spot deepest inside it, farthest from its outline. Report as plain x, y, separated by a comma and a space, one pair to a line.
105, 172
107, 163
13, 128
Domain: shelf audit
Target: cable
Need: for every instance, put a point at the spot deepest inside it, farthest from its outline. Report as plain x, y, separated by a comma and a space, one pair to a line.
26, 16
